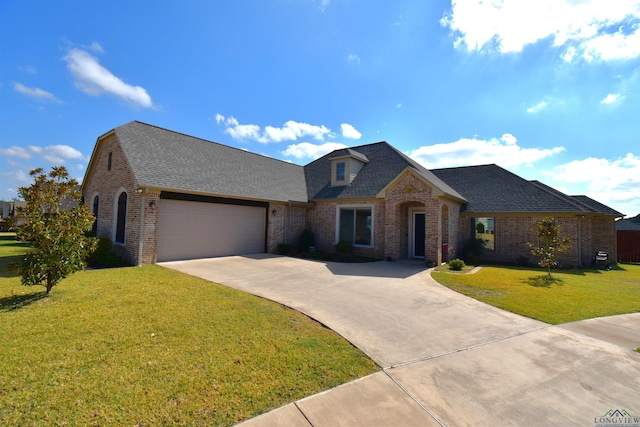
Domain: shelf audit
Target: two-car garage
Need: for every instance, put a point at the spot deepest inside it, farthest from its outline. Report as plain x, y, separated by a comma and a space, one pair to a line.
201, 227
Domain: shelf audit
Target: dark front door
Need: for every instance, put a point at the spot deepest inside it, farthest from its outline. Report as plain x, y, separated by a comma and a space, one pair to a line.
418, 235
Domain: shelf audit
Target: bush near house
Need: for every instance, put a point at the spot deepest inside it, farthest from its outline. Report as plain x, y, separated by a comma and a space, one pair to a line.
456, 265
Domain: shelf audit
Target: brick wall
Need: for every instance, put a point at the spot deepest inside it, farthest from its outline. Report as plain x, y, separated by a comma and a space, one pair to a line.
295, 224
108, 185
586, 236
322, 222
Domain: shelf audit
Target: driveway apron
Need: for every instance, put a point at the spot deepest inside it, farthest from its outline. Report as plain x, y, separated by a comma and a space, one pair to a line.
447, 359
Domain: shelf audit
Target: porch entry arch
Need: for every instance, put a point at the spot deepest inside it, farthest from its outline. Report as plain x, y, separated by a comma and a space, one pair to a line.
412, 231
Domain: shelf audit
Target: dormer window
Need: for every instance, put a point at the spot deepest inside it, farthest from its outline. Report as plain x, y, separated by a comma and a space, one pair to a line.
345, 166
340, 171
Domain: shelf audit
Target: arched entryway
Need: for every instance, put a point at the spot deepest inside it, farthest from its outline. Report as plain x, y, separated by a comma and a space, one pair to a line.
412, 232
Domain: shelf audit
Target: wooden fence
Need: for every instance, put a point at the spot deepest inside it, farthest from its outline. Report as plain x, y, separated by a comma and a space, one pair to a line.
628, 245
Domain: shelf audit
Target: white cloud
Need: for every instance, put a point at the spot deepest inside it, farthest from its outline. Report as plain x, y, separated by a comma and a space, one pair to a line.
28, 69
583, 26
18, 176
538, 107
612, 98
290, 131
15, 151
348, 131
613, 46
612, 182
237, 131
94, 79
353, 58
503, 151
308, 150
35, 93
56, 154
96, 47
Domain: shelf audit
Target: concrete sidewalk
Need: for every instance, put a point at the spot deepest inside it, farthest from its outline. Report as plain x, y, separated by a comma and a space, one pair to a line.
447, 359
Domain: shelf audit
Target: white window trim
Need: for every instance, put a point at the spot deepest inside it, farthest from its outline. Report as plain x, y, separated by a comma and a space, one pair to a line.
356, 206
114, 228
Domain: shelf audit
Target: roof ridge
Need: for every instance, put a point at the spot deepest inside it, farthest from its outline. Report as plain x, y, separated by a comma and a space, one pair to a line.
209, 141
562, 196
468, 167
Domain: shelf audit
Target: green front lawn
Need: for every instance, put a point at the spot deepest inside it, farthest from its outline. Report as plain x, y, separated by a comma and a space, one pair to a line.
151, 346
573, 295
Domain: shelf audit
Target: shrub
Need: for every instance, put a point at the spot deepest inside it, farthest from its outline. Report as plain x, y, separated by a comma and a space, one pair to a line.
103, 257
306, 240
283, 249
344, 247
456, 265
55, 223
473, 251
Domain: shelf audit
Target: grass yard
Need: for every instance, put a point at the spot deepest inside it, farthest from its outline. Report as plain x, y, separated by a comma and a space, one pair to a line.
573, 295
144, 346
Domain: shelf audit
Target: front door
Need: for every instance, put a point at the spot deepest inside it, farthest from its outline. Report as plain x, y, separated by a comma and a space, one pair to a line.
418, 234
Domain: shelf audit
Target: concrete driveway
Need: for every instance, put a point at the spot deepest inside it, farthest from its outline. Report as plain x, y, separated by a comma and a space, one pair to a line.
447, 359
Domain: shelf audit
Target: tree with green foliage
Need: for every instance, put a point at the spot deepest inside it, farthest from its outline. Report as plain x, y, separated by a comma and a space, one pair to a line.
549, 243
56, 226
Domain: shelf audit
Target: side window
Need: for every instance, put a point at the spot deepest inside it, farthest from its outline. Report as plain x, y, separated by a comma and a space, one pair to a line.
109, 161
95, 210
485, 230
121, 218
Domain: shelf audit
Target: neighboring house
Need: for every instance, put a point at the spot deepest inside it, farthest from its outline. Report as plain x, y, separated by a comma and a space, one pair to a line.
5, 209
162, 195
628, 235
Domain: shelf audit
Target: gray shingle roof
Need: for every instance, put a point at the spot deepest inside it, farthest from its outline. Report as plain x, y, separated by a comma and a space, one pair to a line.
170, 160
627, 224
385, 163
173, 161
492, 189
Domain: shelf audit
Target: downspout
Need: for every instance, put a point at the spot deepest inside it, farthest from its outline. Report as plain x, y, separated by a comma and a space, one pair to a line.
141, 234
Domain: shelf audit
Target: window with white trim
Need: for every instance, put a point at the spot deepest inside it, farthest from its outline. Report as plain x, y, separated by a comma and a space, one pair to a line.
121, 218
355, 225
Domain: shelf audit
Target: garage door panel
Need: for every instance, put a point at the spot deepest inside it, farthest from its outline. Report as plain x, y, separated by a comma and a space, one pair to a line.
189, 230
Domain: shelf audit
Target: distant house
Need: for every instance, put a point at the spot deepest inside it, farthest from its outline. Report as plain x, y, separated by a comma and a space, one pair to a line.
162, 195
628, 236
628, 223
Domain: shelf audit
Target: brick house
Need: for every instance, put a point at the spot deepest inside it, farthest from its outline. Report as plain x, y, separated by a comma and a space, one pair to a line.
162, 195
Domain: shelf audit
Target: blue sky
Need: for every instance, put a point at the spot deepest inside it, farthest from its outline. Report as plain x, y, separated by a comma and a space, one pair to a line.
549, 89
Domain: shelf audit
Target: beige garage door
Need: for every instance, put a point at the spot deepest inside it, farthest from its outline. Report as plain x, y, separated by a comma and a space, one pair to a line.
188, 230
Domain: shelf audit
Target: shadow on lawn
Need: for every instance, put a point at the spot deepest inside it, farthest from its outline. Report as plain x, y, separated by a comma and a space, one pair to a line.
6, 263
544, 281
15, 302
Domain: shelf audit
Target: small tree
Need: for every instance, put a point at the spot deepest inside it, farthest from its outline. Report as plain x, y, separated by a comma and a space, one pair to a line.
56, 223
549, 243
